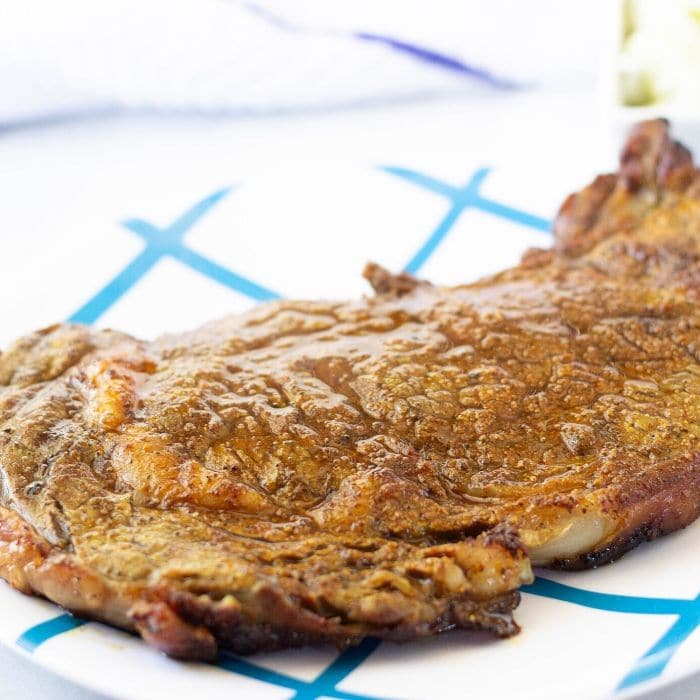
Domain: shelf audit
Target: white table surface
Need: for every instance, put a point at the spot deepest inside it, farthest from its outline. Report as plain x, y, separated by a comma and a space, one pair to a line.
521, 130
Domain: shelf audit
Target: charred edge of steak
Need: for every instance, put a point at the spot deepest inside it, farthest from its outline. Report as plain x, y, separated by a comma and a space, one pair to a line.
194, 626
184, 628
613, 551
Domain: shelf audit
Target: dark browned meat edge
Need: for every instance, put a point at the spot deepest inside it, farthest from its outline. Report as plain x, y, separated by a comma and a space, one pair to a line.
191, 627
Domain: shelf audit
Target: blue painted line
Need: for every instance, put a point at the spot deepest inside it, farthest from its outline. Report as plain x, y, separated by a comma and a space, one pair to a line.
326, 684
222, 275
154, 237
471, 189
259, 673
516, 215
606, 601
35, 636
461, 199
161, 243
323, 686
426, 251
185, 222
117, 287
423, 180
175, 232
655, 660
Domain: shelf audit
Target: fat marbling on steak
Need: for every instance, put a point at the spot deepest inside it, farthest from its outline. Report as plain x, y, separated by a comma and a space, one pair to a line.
316, 472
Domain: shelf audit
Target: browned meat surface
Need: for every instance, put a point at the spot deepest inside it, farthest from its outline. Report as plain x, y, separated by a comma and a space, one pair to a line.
318, 472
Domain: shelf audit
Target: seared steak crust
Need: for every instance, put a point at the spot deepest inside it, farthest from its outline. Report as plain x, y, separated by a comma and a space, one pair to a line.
315, 472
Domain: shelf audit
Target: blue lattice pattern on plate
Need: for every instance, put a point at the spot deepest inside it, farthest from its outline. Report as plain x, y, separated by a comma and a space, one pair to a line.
160, 243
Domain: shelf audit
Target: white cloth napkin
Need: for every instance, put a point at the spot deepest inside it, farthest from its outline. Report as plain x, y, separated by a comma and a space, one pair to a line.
73, 57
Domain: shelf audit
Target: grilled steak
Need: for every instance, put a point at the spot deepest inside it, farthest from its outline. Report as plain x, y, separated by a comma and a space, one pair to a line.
318, 472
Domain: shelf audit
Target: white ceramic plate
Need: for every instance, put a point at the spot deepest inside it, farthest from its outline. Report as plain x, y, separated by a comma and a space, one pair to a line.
598, 634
